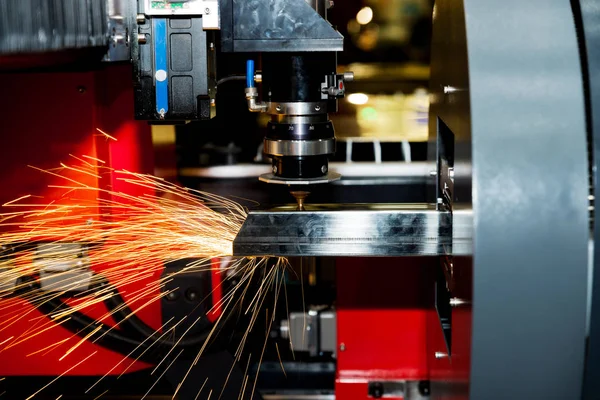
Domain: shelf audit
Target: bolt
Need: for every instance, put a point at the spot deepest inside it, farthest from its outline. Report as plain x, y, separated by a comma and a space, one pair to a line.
274, 169
278, 108
451, 173
207, 11
424, 389
212, 46
140, 19
348, 76
142, 38
317, 108
324, 169
432, 173
342, 347
377, 390
455, 302
192, 294
439, 354
213, 102
449, 89
172, 296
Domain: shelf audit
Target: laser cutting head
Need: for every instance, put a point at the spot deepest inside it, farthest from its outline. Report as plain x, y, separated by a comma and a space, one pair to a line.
300, 90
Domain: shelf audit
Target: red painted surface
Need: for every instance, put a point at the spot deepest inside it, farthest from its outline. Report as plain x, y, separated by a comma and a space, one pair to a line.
217, 291
382, 311
47, 117
450, 375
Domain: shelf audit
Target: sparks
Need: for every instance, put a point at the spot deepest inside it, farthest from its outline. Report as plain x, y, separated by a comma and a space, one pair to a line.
92, 240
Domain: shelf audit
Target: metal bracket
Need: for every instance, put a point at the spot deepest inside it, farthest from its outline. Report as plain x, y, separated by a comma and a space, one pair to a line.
120, 27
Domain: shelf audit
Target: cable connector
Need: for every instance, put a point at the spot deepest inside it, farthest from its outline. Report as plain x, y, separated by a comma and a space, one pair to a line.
253, 104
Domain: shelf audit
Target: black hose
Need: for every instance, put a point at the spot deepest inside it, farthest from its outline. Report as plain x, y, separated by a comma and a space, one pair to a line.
127, 319
82, 325
112, 339
145, 345
231, 78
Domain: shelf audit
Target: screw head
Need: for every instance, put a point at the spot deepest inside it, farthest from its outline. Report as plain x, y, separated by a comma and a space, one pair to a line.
324, 169
192, 294
207, 11
278, 108
274, 169
342, 347
439, 354
172, 296
317, 108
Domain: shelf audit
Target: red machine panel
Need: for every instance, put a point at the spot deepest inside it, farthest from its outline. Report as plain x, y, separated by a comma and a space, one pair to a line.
449, 370
382, 312
47, 119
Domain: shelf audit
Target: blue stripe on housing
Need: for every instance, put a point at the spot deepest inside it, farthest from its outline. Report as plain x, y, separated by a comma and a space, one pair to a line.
160, 64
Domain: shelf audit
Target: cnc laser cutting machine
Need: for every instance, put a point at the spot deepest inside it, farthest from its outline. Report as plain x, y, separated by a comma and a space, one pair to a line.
470, 273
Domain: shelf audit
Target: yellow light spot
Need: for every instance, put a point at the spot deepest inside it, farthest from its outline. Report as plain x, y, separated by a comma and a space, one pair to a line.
364, 16
357, 98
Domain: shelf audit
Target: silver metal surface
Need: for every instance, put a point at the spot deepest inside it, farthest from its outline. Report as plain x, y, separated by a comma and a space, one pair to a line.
355, 169
121, 20
313, 331
270, 178
299, 147
281, 25
355, 230
280, 45
299, 119
8, 278
297, 108
328, 332
253, 104
62, 267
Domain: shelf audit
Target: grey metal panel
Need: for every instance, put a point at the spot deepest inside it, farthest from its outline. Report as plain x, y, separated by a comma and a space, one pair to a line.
588, 15
278, 45
367, 231
28, 26
529, 199
281, 25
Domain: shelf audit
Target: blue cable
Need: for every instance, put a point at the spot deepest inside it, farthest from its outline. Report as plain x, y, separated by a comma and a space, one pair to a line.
250, 73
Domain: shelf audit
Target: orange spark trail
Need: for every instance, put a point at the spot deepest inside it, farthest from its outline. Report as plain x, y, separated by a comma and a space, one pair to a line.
92, 241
